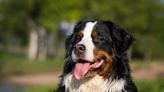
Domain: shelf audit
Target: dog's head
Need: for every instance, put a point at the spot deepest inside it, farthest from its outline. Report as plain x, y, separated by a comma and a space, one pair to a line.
93, 45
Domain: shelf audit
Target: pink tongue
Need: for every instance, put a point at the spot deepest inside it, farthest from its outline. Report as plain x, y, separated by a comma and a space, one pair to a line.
81, 69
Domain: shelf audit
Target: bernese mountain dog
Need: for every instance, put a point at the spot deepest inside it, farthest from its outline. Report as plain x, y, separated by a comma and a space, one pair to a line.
96, 59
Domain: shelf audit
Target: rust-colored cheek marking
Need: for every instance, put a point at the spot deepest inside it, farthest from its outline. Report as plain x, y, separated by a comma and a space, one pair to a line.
99, 54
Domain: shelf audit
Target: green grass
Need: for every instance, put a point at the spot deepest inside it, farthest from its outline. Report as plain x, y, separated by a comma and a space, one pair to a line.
11, 64
48, 88
142, 85
18, 64
150, 86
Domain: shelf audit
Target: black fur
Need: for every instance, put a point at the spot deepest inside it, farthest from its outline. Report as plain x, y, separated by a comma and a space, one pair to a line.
113, 37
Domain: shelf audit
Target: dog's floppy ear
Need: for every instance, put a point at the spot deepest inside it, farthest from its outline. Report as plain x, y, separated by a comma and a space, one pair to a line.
121, 39
69, 45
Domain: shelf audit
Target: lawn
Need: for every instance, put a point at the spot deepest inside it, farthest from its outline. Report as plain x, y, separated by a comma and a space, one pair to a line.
142, 85
15, 64
48, 88
150, 86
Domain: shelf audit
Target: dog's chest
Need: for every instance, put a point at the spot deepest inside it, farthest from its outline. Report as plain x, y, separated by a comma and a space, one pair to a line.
96, 84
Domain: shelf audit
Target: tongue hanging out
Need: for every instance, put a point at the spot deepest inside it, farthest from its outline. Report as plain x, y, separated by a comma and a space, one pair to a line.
81, 69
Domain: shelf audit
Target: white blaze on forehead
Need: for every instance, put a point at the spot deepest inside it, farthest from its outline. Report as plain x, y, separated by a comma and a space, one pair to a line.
88, 30
87, 41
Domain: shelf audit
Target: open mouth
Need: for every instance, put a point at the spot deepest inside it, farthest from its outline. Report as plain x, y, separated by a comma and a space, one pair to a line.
83, 67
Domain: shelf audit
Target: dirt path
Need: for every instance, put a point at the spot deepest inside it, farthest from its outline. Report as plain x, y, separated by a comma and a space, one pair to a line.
32, 80
146, 71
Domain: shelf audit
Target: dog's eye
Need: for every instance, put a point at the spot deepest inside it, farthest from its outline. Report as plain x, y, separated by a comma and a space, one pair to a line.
98, 39
78, 38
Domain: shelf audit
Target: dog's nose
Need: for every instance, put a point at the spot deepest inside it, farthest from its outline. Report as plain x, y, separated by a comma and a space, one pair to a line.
80, 48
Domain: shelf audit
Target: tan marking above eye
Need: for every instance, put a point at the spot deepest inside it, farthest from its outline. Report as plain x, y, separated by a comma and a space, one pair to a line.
94, 34
80, 34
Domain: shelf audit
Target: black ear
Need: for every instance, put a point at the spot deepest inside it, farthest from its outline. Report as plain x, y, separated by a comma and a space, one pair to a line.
69, 45
121, 39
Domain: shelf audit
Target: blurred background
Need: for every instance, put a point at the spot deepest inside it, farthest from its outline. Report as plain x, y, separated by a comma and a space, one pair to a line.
32, 35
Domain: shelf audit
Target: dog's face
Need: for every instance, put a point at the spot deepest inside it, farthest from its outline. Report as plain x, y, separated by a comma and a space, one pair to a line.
92, 45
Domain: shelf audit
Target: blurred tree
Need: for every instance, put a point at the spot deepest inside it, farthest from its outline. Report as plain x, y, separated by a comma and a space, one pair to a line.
30, 15
142, 17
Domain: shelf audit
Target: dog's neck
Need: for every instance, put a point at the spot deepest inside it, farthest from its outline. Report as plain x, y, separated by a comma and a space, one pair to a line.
95, 84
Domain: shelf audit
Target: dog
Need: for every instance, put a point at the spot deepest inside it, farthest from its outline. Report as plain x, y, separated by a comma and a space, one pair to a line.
96, 59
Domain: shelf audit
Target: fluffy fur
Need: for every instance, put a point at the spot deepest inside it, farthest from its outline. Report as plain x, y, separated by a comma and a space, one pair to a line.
96, 84
105, 40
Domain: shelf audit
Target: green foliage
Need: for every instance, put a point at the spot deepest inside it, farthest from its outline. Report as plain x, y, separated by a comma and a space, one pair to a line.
144, 18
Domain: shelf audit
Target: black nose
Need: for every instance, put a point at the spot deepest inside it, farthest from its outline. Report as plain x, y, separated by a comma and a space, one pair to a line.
80, 48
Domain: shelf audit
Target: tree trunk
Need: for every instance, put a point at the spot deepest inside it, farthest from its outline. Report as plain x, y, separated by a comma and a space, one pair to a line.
43, 46
50, 42
33, 45
147, 55
38, 45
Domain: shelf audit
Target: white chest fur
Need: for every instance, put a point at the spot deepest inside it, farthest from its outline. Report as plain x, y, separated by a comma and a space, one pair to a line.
96, 84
